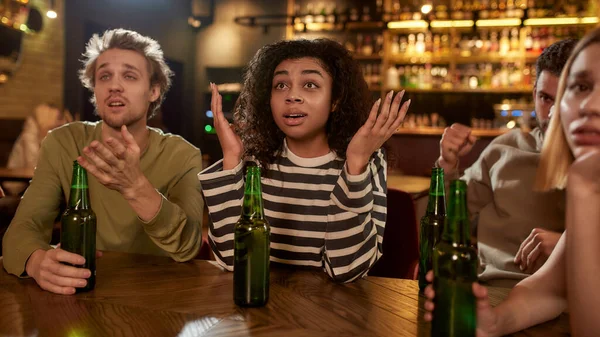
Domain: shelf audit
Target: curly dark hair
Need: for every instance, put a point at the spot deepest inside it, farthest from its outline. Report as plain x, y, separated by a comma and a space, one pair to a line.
554, 57
350, 97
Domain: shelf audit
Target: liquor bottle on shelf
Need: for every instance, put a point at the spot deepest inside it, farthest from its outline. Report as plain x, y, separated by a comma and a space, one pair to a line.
403, 45
410, 49
402, 72
427, 78
527, 76
353, 14
468, 6
420, 44
342, 14
528, 44
514, 40
309, 17
395, 45
367, 47
321, 13
428, 42
350, 46
378, 50
537, 45
396, 10
405, 14
368, 73
445, 44
504, 43
441, 12
331, 14
359, 44
366, 15
297, 16
379, 9
413, 80
392, 78
376, 77
494, 44
487, 43
436, 48
488, 73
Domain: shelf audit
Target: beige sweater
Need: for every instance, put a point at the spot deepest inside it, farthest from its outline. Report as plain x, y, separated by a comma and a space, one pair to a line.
503, 206
169, 162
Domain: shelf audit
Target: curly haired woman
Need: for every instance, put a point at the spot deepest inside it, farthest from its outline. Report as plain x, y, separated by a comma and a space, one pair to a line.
304, 115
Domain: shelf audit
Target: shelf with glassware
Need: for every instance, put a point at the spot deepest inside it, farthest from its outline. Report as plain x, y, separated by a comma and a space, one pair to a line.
356, 25
438, 131
480, 46
490, 59
458, 63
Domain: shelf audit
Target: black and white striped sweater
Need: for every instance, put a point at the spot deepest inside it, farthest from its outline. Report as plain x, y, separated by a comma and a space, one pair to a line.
320, 216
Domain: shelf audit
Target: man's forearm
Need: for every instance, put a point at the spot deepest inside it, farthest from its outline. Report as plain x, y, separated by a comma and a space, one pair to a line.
144, 199
450, 171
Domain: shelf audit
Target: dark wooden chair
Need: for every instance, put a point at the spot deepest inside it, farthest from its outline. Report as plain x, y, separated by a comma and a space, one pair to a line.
400, 240
9, 131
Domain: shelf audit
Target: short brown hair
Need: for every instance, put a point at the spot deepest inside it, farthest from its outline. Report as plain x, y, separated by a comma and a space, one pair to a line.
557, 157
160, 73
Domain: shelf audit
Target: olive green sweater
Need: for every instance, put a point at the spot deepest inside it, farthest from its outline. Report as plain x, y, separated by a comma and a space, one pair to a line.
169, 162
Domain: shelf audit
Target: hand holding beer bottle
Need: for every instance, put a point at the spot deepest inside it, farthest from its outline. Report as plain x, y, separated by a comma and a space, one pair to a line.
78, 225
455, 269
70, 268
487, 318
46, 268
431, 223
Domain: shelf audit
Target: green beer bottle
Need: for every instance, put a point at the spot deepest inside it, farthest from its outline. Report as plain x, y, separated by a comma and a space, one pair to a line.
251, 247
78, 225
455, 270
431, 223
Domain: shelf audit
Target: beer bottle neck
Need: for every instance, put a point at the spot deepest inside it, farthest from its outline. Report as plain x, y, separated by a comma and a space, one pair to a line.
437, 195
252, 206
457, 228
79, 197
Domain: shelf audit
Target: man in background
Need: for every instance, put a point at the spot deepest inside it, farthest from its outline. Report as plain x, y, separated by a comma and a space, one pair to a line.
516, 228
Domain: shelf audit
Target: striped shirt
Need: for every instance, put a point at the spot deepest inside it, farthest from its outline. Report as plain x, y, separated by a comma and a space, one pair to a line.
320, 216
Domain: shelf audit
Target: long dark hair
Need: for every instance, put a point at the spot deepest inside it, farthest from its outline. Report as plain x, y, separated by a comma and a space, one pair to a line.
350, 97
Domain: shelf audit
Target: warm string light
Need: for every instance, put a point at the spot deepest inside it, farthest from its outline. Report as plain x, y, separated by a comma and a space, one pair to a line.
51, 13
426, 8
407, 24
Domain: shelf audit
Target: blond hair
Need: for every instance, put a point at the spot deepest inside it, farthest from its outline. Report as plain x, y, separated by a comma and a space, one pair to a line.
160, 73
556, 158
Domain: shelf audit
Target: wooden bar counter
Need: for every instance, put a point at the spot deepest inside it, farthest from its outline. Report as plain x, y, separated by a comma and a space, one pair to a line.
140, 295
